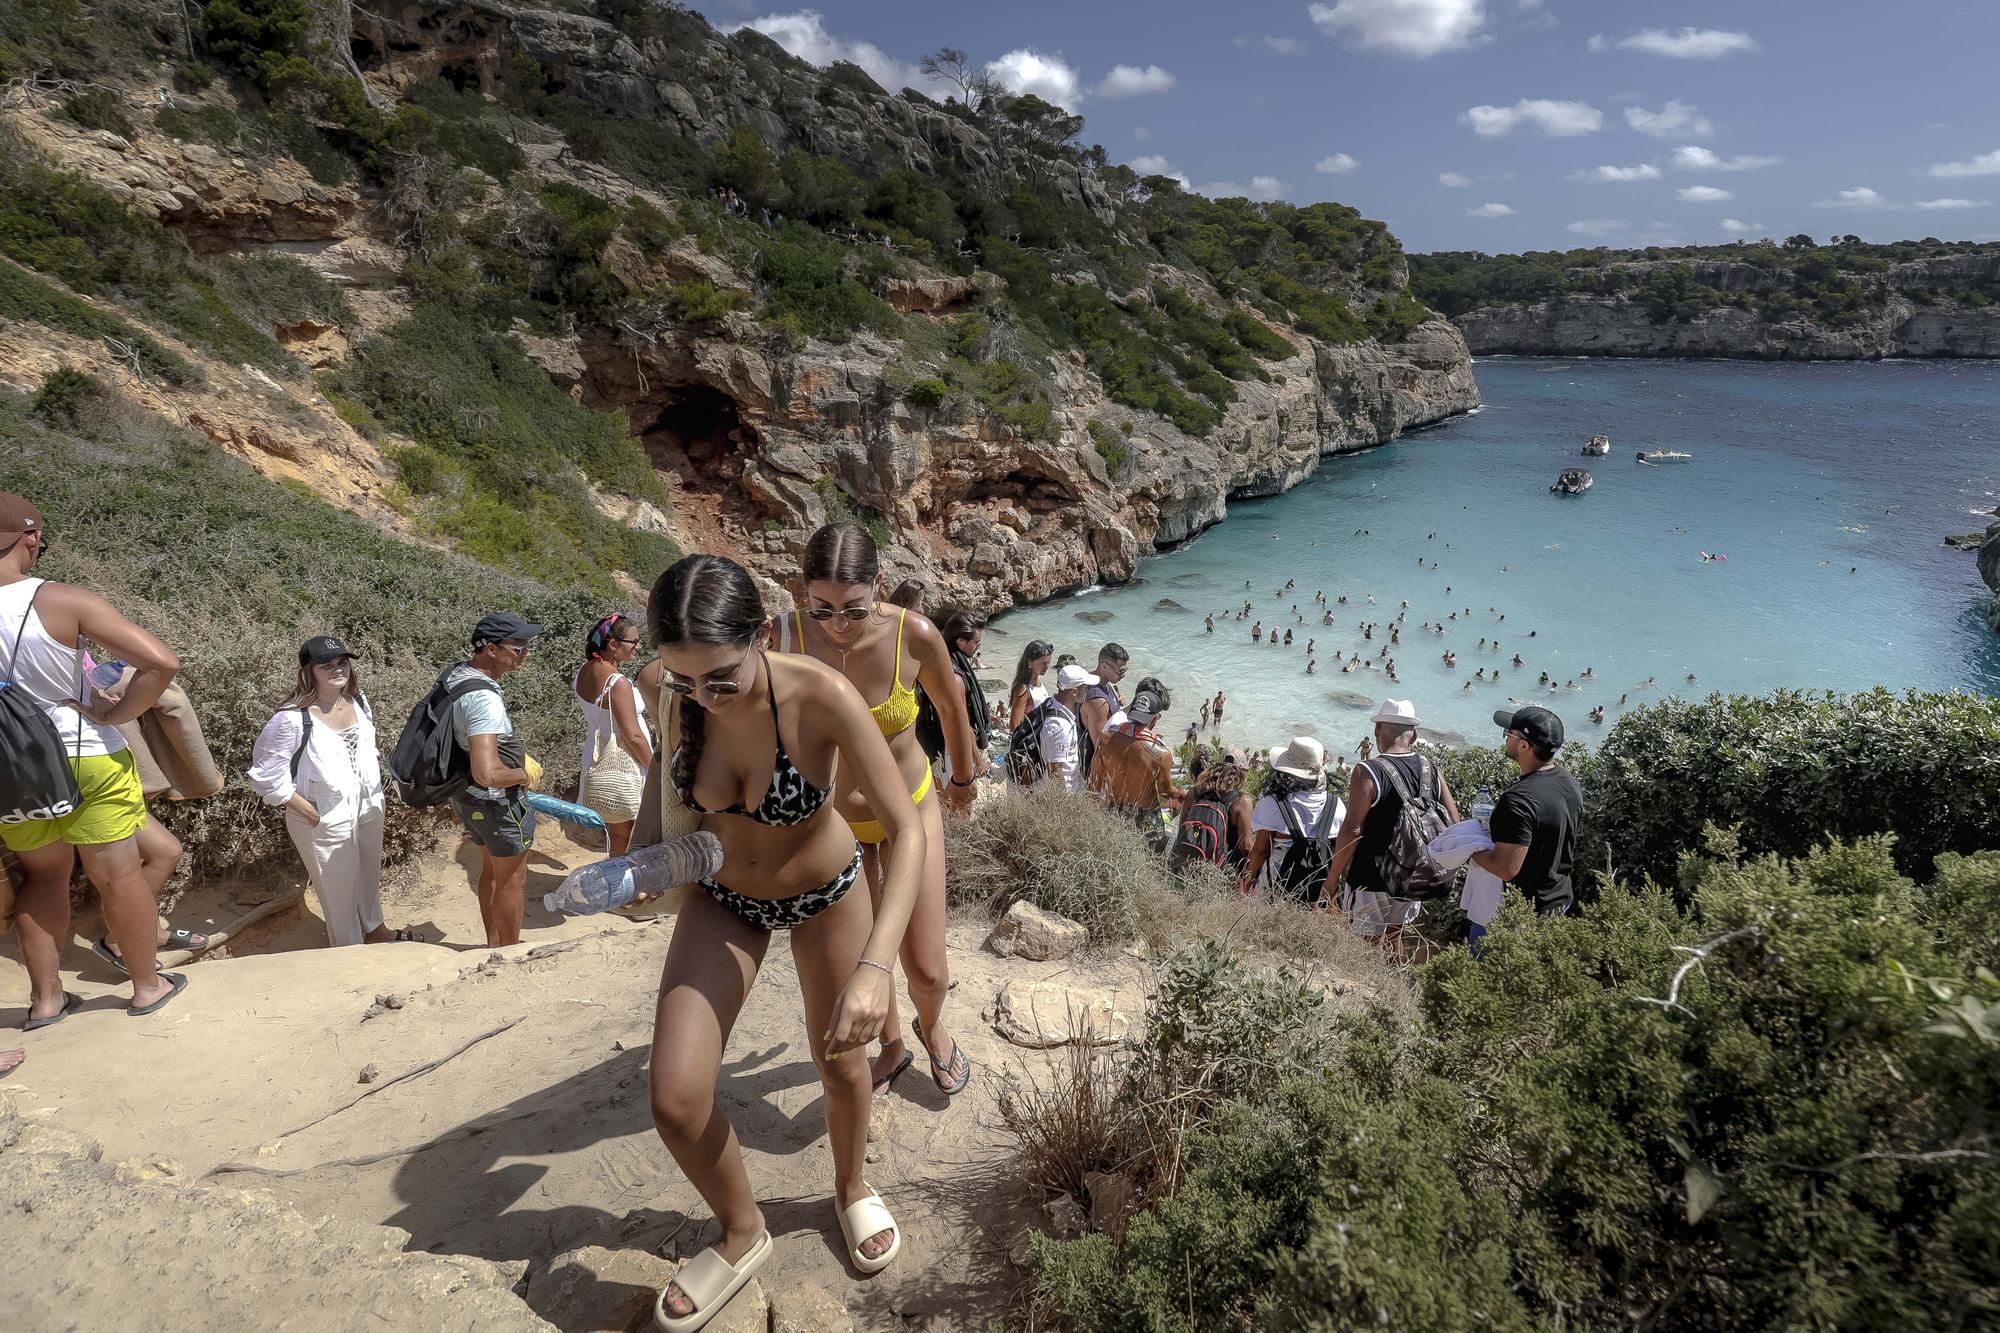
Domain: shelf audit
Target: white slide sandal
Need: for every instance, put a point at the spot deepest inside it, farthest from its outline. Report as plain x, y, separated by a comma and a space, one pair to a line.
709, 1281
862, 1219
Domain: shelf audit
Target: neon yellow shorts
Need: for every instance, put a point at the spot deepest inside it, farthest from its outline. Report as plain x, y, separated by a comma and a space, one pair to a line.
113, 807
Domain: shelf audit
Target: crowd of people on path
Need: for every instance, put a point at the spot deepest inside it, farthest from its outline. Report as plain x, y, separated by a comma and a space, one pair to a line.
762, 731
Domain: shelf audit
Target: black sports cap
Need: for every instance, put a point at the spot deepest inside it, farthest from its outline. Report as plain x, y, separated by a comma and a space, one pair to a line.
1541, 728
502, 626
321, 649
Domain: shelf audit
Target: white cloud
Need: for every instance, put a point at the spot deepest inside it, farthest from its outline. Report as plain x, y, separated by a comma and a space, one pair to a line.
1731, 227
1949, 203
1672, 120
1645, 171
1142, 133
1692, 157
1687, 44
1261, 188
1858, 197
1336, 164
1985, 164
804, 35
1596, 227
1702, 194
1491, 211
1453, 180
1150, 164
1284, 46
1558, 119
1048, 77
1405, 27
1132, 81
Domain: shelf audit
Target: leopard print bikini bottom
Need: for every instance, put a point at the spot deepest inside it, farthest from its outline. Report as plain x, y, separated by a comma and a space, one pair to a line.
784, 913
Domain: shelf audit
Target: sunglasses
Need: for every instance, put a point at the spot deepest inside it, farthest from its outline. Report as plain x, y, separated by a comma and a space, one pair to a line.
629, 643
853, 614
728, 685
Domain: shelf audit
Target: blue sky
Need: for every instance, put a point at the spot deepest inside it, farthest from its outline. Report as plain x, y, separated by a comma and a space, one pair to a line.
1502, 125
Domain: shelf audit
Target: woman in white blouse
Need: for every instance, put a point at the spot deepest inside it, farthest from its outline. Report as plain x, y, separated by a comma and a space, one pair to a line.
316, 757
618, 748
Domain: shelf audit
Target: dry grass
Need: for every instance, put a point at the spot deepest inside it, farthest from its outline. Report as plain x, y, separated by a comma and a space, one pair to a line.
1063, 853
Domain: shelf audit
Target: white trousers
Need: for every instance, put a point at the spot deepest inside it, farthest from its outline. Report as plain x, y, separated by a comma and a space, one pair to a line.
344, 861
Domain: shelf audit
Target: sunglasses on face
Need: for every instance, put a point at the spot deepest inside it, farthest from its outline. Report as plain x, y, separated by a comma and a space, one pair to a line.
727, 685
629, 643
854, 614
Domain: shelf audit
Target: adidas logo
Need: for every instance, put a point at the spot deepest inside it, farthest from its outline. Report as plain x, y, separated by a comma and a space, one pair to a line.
56, 811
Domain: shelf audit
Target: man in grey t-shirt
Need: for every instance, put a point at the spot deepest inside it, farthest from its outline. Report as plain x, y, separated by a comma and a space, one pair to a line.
494, 808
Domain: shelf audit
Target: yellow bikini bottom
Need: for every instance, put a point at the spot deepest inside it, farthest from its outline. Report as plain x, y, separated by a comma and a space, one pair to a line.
871, 831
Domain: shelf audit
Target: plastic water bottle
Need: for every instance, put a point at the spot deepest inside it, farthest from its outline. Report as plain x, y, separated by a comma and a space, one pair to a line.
603, 885
106, 674
1482, 806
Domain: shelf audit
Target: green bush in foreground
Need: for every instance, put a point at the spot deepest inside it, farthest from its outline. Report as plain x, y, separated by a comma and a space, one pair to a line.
1778, 1114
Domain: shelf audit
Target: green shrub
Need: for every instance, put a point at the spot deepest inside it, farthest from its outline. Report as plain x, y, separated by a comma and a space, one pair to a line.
99, 109
649, 228
701, 303
1573, 1131
1062, 852
278, 289
25, 296
927, 395
191, 76
803, 275
214, 125
1109, 446
63, 394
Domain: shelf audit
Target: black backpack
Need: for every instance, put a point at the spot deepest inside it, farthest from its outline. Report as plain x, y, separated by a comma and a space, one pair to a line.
1203, 834
1302, 874
930, 725
428, 765
36, 781
1024, 745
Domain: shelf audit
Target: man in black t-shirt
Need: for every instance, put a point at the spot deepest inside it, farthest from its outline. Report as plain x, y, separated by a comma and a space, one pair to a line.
1534, 821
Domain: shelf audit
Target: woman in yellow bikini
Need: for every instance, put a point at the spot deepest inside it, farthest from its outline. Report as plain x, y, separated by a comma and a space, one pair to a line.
843, 622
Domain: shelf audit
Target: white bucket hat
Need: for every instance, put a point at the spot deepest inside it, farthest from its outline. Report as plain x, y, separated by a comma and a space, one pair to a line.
1401, 712
1303, 758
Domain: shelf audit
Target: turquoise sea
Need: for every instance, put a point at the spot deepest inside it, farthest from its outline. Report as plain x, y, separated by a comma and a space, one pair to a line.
1801, 473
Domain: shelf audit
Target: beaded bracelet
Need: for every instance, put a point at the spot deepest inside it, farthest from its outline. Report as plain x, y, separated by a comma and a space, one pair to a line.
870, 962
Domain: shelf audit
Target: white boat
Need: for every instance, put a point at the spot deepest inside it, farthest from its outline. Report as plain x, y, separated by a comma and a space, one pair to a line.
1597, 446
1664, 456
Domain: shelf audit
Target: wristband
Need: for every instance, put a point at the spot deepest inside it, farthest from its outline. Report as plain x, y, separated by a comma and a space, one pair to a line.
974, 783
870, 962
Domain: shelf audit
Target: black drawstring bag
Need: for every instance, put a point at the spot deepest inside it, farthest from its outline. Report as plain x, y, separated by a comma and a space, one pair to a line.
36, 781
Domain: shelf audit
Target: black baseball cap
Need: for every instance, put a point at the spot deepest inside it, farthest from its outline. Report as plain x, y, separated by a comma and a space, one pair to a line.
502, 626
321, 649
1543, 729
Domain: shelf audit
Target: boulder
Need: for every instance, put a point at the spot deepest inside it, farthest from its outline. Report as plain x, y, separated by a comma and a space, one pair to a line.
1044, 1014
807, 1308
1111, 1202
1168, 604
1026, 931
1096, 617
595, 1290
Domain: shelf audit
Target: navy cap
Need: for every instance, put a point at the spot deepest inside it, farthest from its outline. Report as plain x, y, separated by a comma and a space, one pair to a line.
321, 649
502, 626
1543, 729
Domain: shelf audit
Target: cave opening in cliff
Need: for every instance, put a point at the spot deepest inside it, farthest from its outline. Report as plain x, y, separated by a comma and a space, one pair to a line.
1034, 493
367, 56
461, 76
697, 433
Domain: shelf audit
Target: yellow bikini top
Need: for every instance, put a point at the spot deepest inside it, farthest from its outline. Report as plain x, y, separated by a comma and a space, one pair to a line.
897, 713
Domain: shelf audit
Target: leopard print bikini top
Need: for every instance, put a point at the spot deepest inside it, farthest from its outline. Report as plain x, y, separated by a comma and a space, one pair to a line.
791, 799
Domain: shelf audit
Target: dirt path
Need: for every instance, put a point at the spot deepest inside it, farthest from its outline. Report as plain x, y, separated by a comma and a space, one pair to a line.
531, 1135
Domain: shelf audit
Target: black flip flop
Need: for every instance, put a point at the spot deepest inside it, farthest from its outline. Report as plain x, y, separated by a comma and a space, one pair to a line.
71, 1003
959, 1068
177, 980
102, 948
178, 938
405, 935
888, 1080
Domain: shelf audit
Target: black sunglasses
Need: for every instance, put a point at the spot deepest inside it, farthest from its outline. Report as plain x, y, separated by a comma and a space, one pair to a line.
731, 685
852, 613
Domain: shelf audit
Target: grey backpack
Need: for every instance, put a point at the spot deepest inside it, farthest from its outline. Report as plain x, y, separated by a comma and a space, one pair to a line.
1405, 865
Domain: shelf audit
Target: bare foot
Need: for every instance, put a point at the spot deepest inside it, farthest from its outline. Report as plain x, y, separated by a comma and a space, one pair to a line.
878, 1244
886, 1061
10, 1061
159, 988
732, 1247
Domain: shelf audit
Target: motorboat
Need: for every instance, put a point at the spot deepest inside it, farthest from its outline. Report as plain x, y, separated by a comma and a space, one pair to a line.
1664, 456
1597, 446
1573, 481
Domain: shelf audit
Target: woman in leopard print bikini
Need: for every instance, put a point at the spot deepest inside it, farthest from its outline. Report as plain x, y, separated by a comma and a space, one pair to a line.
752, 741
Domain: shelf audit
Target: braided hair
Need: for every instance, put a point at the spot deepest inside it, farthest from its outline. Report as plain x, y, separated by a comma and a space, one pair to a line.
707, 600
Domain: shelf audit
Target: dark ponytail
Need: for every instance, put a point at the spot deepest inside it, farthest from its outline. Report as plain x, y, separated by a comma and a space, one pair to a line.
709, 600
841, 553
1023, 677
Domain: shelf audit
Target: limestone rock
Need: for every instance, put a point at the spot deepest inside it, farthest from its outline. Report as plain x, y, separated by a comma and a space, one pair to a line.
1989, 569
595, 1290
1044, 1014
1066, 1218
807, 1308
1026, 931
1111, 1202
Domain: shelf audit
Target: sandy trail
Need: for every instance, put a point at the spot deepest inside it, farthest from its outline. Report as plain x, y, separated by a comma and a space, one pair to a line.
533, 1136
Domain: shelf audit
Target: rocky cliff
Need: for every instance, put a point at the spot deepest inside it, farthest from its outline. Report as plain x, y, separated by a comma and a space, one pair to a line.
1989, 569
1937, 325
